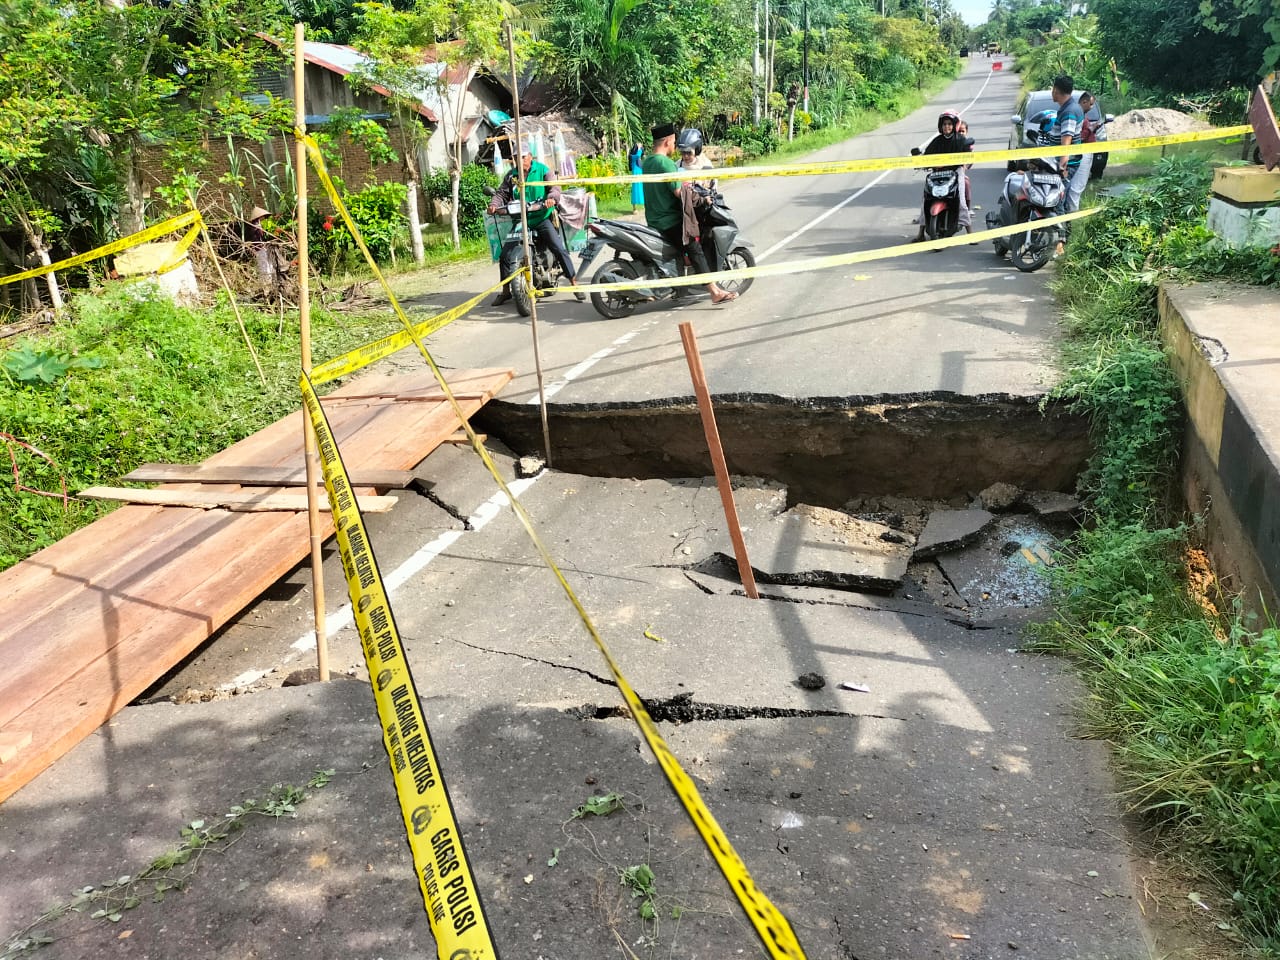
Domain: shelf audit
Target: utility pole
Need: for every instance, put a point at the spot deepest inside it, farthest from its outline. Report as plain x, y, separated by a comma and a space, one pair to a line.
804, 60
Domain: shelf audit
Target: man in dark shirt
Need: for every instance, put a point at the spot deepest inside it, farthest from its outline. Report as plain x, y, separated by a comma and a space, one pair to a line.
663, 209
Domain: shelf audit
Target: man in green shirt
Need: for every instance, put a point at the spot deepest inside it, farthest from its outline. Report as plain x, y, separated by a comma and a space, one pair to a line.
663, 209
542, 229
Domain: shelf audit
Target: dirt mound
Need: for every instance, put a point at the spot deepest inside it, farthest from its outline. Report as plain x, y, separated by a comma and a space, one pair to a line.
1153, 122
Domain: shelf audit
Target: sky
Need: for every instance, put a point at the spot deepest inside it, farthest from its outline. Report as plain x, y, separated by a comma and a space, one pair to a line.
974, 12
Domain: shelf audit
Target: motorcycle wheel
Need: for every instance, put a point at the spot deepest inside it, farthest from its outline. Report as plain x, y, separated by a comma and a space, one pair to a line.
522, 296
610, 305
1031, 256
739, 258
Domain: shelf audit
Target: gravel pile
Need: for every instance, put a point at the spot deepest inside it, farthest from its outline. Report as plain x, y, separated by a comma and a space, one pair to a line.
1153, 122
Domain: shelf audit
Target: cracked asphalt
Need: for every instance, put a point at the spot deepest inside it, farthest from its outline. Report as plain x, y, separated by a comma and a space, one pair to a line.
950, 811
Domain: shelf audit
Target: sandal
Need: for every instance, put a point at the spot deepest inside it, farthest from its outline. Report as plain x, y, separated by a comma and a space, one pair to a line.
725, 297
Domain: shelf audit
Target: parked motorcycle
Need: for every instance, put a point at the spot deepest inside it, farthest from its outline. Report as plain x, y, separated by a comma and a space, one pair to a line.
642, 253
1029, 195
547, 272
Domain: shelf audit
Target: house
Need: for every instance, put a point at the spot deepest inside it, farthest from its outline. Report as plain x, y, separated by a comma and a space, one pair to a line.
466, 103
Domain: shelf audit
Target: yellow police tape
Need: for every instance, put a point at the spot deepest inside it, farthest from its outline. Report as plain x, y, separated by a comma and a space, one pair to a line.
191, 219
835, 260
770, 924
908, 163
440, 859
362, 356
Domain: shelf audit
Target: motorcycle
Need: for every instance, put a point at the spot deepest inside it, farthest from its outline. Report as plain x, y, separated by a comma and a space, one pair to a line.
1030, 194
941, 208
547, 272
642, 253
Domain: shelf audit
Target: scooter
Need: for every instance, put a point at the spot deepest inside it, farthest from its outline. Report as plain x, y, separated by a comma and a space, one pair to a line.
642, 253
547, 272
941, 208
1028, 195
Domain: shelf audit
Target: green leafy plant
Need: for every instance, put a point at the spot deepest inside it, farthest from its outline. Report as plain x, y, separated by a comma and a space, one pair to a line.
640, 881
598, 806
28, 365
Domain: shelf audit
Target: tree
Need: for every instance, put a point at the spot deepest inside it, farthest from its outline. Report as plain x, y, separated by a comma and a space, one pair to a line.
1174, 50
438, 45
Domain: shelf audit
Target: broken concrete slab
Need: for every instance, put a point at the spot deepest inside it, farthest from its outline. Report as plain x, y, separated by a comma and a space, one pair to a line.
951, 530
1000, 496
1052, 505
817, 546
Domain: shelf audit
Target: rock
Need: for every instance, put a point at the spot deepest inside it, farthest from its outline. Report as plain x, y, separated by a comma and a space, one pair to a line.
818, 547
811, 681
310, 675
893, 536
950, 530
530, 466
1052, 505
1000, 496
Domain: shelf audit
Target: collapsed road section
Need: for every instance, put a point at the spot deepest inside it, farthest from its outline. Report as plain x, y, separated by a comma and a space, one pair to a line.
825, 450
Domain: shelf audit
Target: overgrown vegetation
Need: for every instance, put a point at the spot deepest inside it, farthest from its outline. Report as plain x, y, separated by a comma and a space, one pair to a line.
1184, 683
132, 378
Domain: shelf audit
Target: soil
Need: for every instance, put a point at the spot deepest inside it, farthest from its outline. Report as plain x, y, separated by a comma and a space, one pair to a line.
1153, 122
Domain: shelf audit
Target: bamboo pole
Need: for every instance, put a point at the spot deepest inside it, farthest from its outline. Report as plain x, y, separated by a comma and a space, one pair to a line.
311, 458
717, 458
528, 254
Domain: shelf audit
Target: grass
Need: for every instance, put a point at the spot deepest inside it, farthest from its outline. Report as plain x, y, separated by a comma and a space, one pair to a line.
166, 383
1183, 681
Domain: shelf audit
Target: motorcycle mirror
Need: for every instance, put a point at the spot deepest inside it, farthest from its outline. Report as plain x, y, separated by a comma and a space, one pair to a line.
968, 143
1110, 117
1016, 120
488, 191
915, 151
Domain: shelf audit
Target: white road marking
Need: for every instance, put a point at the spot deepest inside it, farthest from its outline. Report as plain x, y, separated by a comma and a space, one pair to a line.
342, 618
555, 386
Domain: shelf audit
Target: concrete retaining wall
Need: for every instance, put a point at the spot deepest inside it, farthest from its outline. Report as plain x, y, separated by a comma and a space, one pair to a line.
1224, 343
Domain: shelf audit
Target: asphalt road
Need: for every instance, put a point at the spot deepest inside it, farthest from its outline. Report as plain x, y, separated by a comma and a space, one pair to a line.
959, 321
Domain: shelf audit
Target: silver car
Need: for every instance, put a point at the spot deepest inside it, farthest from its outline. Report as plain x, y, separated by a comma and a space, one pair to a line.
1025, 132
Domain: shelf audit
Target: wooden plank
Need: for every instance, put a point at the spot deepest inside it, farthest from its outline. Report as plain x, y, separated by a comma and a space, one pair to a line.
11, 742
436, 395
256, 476
245, 501
151, 639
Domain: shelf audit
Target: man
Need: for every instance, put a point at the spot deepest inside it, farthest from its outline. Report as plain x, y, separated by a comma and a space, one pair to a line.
664, 210
1088, 134
1070, 123
541, 202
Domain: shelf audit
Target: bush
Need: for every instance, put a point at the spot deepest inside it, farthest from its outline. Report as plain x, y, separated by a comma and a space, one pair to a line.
378, 213
610, 165
472, 200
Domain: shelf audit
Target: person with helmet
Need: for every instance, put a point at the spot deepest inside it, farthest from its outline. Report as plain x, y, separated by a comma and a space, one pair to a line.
948, 140
690, 144
664, 207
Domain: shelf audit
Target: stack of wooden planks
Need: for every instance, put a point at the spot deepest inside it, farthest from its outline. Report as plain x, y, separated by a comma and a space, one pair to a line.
89, 623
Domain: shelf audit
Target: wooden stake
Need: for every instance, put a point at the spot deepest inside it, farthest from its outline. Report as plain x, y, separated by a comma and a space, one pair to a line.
528, 253
717, 458
311, 458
